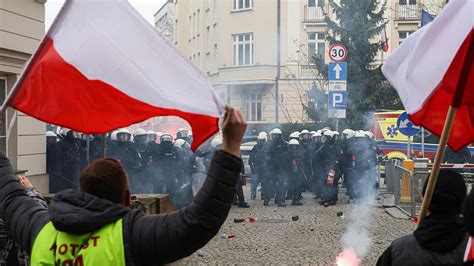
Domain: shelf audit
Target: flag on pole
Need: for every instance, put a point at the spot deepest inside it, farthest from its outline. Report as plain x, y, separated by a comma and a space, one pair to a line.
425, 71
426, 17
101, 66
384, 39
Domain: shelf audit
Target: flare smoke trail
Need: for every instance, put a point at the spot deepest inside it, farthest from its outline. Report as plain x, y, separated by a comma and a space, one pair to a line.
357, 236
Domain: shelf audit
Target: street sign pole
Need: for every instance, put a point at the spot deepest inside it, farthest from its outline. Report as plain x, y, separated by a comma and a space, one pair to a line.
407, 128
408, 147
423, 142
337, 87
88, 148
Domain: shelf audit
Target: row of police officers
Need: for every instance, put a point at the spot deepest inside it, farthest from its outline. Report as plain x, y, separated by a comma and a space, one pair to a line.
315, 161
155, 162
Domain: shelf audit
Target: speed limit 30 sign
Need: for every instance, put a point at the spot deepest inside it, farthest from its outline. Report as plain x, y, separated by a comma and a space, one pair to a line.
338, 53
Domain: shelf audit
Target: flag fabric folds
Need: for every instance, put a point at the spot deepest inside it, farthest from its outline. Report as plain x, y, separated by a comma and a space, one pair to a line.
101, 66
425, 71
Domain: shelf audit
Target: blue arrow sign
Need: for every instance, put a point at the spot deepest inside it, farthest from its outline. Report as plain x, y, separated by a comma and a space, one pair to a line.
338, 71
405, 126
337, 99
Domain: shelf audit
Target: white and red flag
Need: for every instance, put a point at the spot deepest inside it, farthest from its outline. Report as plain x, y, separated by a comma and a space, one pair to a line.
426, 69
101, 66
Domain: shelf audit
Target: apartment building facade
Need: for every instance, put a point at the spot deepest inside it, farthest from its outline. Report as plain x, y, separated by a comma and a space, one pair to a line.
234, 42
21, 30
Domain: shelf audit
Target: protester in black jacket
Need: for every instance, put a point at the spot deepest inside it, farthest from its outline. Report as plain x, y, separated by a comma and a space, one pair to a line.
441, 237
11, 254
103, 200
468, 214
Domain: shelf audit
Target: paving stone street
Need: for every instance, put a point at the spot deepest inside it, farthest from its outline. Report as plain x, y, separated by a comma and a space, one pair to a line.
314, 239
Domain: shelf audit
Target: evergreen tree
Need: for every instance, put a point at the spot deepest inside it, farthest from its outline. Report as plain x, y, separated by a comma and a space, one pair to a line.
358, 25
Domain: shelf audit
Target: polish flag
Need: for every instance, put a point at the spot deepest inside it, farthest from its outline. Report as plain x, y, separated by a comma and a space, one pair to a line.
426, 69
101, 66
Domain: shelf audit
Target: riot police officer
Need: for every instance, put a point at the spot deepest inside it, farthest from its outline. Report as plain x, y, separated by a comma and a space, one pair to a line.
327, 157
306, 147
183, 134
345, 162
257, 164
167, 163
144, 173
315, 165
276, 154
70, 161
152, 136
295, 171
295, 135
52, 160
125, 151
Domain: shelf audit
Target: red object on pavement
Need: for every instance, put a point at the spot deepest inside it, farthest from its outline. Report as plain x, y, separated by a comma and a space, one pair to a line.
415, 219
230, 236
251, 219
244, 180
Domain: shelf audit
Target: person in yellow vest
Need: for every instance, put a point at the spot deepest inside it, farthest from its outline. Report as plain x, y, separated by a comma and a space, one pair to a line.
94, 226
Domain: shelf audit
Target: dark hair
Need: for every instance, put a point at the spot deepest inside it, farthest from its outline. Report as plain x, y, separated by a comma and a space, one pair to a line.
449, 193
105, 178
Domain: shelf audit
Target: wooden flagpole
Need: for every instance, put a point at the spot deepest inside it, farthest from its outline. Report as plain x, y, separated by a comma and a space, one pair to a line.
448, 126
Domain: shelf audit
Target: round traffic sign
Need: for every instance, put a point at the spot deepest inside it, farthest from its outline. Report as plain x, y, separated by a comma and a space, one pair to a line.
338, 53
405, 126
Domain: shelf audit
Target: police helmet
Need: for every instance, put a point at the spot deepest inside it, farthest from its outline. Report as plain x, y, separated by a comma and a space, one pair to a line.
166, 138
64, 131
262, 136
124, 131
360, 134
294, 142
140, 132
295, 135
51, 134
275, 131
113, 136
369, 134
182, 133
179, 143
329, 133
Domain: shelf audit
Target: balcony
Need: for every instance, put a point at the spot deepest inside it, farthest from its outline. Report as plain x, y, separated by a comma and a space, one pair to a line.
408, 12
315, 14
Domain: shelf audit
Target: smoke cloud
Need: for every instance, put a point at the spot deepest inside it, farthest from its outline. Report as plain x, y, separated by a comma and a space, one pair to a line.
357, 236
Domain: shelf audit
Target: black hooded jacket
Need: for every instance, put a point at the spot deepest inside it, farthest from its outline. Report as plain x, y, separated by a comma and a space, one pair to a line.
148, 239
440, 240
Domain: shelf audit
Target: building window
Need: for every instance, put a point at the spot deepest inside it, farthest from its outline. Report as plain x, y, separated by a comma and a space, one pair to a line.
313, 3
316, 45
243, 49
3, 122
252, 105
242, 4
402, 35
406, 2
